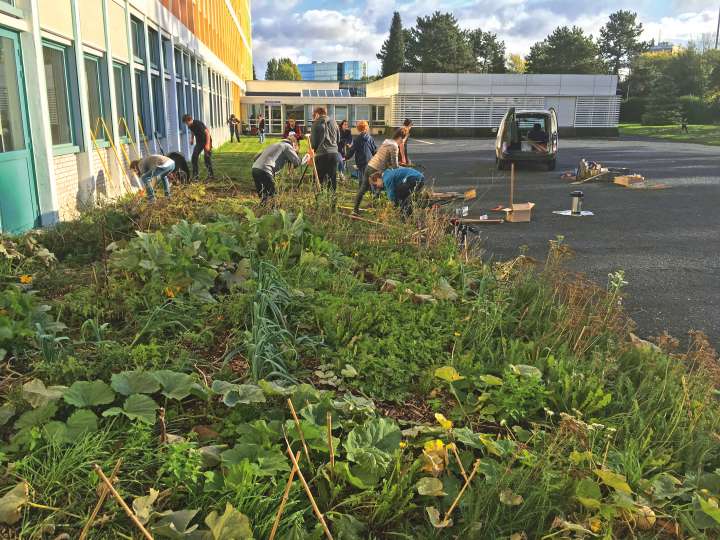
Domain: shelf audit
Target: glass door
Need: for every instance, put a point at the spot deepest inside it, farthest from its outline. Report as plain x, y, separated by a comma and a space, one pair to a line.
18, 196
273, 119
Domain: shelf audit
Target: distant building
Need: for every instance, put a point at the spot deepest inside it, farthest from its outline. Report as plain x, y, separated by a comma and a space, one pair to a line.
664, 47
353, 70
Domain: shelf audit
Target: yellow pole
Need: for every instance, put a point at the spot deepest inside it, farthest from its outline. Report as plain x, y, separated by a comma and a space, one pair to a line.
128, 184
142, 133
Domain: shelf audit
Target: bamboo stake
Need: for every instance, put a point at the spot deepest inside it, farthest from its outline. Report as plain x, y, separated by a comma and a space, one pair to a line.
459, 495
364, 220
101, 500
121, 502
457, 458
512, 185
285, 496
310, 495
330, 441
163, 426
300, 431
314, 168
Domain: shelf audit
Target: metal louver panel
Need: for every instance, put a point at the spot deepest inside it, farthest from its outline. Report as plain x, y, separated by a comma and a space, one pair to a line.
597, 111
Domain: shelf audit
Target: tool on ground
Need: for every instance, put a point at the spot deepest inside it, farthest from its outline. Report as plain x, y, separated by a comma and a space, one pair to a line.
312, 158
576, 205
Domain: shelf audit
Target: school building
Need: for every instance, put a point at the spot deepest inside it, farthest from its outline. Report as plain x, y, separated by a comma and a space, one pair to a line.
86, 85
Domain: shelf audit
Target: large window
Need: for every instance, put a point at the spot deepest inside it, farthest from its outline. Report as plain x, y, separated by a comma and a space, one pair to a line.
58, 94
180, 102
167, 52
143, 101
123, 98
158, 109
97, 92
138, 40
154, 46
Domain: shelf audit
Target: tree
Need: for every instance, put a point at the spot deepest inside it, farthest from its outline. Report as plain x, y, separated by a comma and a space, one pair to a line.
254, 75
516, 64
438, 45
282, 69
566, 50
662, 107
392, 53
619, 41
488, 50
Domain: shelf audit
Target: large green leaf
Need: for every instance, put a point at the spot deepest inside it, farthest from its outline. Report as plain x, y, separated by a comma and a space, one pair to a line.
36, 417
81, 422
175, 525
89, 394
588, 493
232, 525
143, 506
37, 394
12, 502
524, 370
134, 382
614, 480
136, 407
357, 475
175, 385
379, 433
7, 411
238, 393
430, 486
347, 527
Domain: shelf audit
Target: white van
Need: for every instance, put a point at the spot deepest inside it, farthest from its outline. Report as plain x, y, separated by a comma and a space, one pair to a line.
527, 136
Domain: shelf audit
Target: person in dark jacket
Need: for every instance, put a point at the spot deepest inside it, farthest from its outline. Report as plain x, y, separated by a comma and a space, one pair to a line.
201, 139
324, 142
400, 185
270, 161
234, 125
344, 141
363, 148
261, 128
292, 126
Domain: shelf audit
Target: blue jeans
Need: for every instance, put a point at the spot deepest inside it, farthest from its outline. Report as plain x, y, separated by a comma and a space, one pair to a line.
162, 172
261, 136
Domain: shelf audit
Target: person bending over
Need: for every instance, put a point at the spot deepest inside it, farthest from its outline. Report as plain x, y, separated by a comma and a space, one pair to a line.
400, 185
385, 158
200, 137
270, 161
150, 167
324, 139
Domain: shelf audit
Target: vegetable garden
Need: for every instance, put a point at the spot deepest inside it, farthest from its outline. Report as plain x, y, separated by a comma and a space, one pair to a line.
196, 349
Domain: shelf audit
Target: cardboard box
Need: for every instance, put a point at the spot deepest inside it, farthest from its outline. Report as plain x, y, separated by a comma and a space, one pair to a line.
519, 213
629, 180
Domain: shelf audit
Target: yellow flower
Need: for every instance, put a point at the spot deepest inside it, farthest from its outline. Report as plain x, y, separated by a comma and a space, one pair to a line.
26, 279
435, 445
458, 334
444, 422
595, 525
403, 444
435, 456
169, 292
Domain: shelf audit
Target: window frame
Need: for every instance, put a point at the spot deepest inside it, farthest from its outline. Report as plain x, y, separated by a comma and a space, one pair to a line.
126, 89
158, 104
158, 49
71, 147
138, 47
103, 92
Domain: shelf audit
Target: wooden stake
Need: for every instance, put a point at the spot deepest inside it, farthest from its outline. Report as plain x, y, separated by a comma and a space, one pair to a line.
163, 426
310, 495
457, 458
330, 441
285, 496
512, 185
364, 220
101, 500
459, 495
300, 431
314, 168
121, 502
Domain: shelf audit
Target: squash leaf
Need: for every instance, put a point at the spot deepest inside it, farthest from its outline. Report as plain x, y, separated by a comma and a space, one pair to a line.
134, 382
37, 394
232, 525
89, 394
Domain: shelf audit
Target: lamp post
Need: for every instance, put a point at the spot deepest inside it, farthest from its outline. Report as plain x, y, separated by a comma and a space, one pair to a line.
717, 32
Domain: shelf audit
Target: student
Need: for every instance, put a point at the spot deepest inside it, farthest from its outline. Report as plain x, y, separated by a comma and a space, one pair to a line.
538, 138
324, 142
270, 161
344, 141
404, 159
200, 137
363, 148
400, 185
261, 129
385, 158
150, 167
234, 125
291, 126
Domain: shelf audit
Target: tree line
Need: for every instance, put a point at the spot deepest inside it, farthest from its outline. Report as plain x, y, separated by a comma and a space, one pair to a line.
437, 44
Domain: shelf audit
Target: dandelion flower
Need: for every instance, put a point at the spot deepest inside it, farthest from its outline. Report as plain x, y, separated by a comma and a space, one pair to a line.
26, 279
444, 422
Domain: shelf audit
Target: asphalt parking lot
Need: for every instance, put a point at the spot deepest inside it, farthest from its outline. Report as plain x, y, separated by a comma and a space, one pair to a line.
667, 241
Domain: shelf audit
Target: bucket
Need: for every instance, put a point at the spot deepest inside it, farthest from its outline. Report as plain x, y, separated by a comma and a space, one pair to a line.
576, 208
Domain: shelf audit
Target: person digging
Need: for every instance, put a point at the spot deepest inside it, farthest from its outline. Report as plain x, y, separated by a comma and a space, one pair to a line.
270, 161
400, 186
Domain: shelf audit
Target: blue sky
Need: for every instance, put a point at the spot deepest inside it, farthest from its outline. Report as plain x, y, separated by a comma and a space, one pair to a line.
308, 30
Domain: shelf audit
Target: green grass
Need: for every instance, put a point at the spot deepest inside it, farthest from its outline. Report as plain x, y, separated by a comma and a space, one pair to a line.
565, 418
700, 134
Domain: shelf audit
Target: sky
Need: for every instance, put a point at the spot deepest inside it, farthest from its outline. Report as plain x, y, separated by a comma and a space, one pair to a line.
338, 30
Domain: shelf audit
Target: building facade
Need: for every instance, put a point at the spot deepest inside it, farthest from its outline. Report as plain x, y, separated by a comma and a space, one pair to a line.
352, 70
87, 85
464, 104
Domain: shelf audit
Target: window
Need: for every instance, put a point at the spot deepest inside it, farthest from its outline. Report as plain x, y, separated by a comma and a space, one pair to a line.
97, 92
123, 98
362, 112
158, 109
378, 112
58, 94
180, 102
167, 55
138, 40
154, 46
143, 100
178, 63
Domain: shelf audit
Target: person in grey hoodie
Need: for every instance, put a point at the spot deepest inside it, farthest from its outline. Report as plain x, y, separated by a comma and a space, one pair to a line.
151, 166
324, 139
271, 160
385, 158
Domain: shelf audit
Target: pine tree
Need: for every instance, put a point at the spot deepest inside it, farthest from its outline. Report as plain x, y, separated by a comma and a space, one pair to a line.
392, 53
566, 50
488, 50
662, 107
619, 41
438, 45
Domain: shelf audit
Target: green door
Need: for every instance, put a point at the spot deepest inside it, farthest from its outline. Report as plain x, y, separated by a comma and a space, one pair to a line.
18, 196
